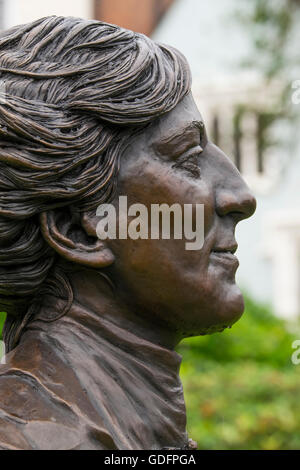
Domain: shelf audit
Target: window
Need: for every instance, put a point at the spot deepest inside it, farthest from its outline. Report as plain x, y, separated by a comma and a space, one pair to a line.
242, 119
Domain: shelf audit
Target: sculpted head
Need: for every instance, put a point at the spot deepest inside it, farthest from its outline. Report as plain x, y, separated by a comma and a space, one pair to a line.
91, 112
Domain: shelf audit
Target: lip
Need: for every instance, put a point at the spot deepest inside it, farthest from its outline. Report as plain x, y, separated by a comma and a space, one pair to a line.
225, 257
225, 248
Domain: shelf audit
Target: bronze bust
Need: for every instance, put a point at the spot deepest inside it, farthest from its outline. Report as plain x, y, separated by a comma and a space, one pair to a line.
92, 112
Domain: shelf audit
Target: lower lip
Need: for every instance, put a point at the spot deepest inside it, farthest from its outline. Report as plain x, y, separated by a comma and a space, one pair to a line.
225, 258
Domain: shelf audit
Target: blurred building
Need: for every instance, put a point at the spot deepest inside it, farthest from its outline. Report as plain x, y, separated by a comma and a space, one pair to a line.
138, 15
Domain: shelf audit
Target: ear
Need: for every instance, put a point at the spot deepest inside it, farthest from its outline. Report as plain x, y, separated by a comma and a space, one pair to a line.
74, 238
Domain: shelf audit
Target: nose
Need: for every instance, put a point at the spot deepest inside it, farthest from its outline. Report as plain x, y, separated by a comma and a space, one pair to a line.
237, 201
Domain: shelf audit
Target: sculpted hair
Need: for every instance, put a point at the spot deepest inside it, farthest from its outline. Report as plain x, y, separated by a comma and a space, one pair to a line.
71, 93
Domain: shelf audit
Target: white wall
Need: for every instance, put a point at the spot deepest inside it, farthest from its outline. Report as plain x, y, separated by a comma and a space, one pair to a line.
24, 11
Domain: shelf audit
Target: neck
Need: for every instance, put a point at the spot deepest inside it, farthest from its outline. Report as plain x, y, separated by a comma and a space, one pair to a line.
93, 292
130, 375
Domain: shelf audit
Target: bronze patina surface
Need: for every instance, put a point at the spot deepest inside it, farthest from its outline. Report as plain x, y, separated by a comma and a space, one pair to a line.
89, 112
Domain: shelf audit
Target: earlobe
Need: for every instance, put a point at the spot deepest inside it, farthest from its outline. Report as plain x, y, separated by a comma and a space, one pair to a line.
84, 250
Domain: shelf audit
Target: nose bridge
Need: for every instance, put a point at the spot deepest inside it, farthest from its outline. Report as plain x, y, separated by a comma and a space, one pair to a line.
234, 197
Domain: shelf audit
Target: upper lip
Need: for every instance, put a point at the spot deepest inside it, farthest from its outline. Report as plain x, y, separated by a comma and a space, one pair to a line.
225, 249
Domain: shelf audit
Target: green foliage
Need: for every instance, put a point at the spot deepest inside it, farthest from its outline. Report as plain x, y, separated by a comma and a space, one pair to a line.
271, 25
258, 336
2, 320
241, 387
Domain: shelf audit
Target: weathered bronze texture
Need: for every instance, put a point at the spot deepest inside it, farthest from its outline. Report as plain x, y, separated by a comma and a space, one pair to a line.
91, 112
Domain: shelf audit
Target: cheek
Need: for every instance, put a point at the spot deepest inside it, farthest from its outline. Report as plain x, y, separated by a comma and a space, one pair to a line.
165, 266
157, 183
162, 272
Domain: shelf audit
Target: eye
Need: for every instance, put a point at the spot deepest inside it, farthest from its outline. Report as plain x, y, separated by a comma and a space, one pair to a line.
190, 162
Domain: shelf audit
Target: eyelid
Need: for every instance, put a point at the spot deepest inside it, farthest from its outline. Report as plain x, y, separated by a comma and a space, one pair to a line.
193, 152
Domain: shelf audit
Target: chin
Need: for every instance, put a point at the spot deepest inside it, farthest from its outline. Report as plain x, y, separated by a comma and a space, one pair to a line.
232, 305
227, 310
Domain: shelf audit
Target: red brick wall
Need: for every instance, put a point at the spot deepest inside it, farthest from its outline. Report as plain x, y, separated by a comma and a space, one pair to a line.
138, 15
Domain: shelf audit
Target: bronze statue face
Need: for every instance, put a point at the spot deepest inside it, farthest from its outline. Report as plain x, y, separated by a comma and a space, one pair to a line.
53, 182
192, 292
93, 112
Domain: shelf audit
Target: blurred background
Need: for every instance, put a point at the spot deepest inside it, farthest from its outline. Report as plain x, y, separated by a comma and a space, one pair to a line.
241, 386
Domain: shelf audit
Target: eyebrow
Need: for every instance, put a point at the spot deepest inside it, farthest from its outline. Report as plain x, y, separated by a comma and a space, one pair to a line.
181, 140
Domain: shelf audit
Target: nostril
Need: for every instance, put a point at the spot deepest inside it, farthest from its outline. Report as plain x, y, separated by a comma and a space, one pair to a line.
241, 205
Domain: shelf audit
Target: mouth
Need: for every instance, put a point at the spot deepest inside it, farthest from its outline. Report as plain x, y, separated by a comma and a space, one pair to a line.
225, 255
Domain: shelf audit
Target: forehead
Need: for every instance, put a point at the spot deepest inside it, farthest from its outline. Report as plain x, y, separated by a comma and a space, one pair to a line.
184, 120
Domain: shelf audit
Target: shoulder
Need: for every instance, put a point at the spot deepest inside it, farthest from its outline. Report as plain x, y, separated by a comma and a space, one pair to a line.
31, 417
